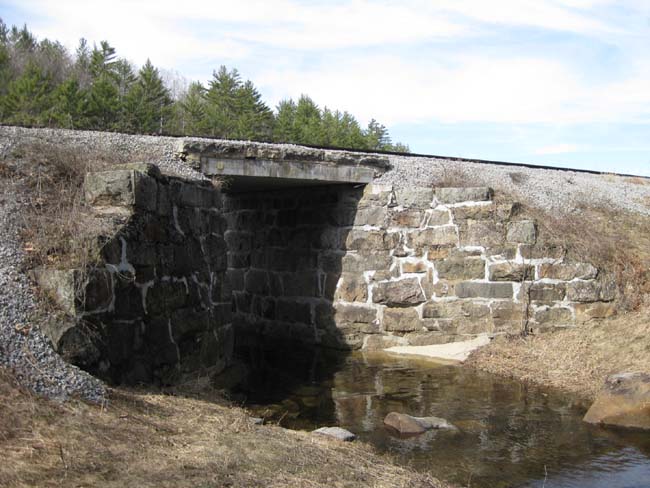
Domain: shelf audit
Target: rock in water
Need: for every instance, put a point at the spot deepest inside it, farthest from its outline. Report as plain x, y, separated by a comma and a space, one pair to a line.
624, 401
336, 433
409, 425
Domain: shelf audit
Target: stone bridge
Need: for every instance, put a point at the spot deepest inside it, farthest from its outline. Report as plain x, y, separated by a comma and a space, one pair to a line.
298, 247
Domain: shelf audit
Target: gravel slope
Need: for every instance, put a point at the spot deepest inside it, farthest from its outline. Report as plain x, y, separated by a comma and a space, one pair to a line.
548, 189
23, 348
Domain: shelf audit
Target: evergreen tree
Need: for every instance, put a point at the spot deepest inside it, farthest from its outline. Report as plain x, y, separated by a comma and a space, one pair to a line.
69, 105
148, 101
28, 97
222, 101
191, 110
102, 60
353, 136
254, 119
308, 121
284, 128
330, 128
377, 137
82, 64
22, 40
103, 107
124, 78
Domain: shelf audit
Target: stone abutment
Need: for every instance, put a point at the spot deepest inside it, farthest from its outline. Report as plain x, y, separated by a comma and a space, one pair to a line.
194, 273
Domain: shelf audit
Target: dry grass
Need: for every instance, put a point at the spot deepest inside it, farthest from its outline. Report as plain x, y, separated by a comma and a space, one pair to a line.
58, 230
613, 240
451, 177
575, 360
147, 439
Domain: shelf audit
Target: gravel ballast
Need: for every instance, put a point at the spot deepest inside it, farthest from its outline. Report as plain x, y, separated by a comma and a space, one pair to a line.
548, 189
25, 349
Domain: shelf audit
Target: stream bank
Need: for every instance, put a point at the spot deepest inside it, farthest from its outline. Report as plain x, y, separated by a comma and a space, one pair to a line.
575, 360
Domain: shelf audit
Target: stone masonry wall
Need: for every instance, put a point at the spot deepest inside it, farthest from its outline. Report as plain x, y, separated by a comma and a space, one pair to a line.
157, 306
372, 268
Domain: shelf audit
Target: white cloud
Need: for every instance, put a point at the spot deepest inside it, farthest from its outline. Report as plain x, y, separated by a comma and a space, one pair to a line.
289, 23
472, 89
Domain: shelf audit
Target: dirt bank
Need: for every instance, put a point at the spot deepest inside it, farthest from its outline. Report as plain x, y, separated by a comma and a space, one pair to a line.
146, 439
575, 360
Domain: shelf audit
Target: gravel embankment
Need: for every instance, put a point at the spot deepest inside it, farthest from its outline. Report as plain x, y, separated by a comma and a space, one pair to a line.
23, 348
547, 189
130, 148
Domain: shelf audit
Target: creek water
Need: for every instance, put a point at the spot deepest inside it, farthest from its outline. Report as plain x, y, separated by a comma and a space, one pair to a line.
509, 434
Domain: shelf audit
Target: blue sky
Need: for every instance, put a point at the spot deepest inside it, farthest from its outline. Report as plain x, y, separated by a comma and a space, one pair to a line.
559, 82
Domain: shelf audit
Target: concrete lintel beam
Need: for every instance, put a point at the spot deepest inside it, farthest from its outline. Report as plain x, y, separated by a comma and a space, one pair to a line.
293, 170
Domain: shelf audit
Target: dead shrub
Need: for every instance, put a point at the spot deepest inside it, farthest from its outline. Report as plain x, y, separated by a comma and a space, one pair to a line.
451, 177
59, 230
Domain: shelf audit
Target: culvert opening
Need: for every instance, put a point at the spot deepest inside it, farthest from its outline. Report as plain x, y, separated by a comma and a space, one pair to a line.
286, 249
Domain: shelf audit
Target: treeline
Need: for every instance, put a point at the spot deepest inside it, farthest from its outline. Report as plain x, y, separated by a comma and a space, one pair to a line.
43, 84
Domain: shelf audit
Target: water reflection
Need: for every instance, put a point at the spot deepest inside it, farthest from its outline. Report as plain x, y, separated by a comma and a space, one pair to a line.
510, 434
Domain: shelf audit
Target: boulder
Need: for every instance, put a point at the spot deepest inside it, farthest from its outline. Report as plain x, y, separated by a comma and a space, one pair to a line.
408, 425
624, 401
337, 433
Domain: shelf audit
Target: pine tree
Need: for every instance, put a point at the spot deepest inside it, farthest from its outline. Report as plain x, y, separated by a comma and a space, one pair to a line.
81, 67
329, 128
124, 78
124, 75
191, 110
222, 98
102, 60
22, 40
28, 97
284, 128
352, 135
103, 104
377, 137
254, 119
69, 105
148, 101
308, 121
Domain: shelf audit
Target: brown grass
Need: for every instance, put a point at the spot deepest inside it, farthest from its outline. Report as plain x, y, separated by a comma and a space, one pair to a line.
615, 241
58, 228
451, 177
575, 360
150, 439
